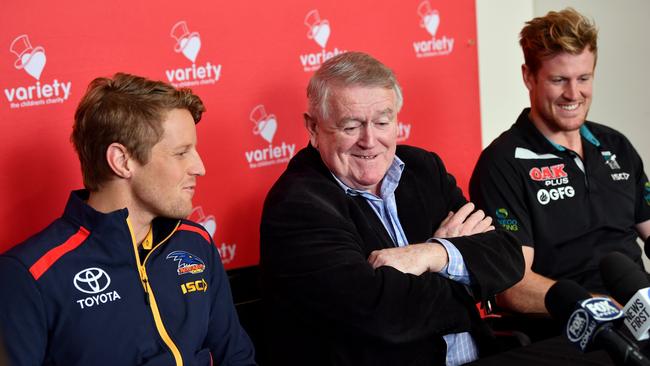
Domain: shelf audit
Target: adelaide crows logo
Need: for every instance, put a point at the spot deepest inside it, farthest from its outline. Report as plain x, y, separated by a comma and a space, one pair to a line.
187, 263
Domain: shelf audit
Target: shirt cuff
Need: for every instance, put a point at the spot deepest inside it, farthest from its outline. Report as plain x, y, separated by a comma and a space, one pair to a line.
454, 270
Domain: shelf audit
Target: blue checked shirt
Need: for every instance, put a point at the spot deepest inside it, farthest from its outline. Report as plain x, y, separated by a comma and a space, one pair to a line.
461, 347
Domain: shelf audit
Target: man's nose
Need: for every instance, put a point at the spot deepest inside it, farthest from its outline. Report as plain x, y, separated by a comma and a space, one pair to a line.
367, 136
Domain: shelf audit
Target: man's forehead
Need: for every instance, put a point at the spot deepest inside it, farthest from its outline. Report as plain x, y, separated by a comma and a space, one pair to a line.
362, 96
586, 61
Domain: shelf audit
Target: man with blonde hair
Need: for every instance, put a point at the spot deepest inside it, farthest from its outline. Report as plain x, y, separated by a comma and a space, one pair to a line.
122, 278
370, 253
570, 189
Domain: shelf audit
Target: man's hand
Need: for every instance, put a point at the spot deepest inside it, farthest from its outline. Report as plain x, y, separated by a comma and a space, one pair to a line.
463, 223
415, 258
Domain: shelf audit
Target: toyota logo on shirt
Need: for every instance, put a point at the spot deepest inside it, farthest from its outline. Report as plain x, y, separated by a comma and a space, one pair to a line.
92, 280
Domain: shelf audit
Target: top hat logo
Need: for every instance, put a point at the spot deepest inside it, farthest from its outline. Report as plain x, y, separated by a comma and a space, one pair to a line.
29, 58
430, 19
209, 223
265, 125
319, 30
187, 43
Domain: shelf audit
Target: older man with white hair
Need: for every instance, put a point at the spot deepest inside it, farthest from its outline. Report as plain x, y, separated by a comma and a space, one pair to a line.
370, 253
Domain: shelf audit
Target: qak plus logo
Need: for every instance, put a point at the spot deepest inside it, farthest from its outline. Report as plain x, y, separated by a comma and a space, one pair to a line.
551, 175
319, 31
265, 126
32, 60
226, 251
509, 224
187, 262
430, 21
188, 44
94, 281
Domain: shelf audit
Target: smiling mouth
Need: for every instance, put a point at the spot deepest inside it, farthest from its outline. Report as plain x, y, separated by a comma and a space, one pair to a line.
365, 157
569, 107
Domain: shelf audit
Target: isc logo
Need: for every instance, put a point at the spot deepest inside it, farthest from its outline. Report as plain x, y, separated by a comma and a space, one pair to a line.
192, 286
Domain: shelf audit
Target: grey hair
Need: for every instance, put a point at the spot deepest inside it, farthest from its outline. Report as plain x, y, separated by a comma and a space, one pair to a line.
349, 69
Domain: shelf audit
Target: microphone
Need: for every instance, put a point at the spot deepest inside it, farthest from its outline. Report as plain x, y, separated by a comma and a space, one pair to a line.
590, 322
628, 284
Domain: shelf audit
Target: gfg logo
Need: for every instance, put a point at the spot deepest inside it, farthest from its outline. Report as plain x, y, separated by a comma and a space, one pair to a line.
92, 280
545, 196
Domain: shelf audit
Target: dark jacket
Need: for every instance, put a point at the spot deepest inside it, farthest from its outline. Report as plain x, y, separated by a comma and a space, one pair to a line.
75, 294
325, 303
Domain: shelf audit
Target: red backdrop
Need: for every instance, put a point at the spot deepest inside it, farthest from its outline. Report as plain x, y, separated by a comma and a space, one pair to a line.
250, 62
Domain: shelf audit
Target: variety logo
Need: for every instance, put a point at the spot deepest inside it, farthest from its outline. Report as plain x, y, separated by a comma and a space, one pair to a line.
188, 44
430, 21
551, 175
503, 220
94, 281
610, 160
208, 222
545, 196
32, 60
265, 126
319, 31
404, 131
226, 251
187, 263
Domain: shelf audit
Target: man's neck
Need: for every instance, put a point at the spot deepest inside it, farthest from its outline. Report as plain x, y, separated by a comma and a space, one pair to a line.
571, 140
109, 199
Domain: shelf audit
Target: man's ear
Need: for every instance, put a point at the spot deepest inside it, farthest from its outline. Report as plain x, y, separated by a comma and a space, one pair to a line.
119, 160
528, 76
310, 124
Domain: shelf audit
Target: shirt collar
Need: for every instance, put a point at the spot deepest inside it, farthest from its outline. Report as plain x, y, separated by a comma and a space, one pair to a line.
525, 122
585, 133
388, 185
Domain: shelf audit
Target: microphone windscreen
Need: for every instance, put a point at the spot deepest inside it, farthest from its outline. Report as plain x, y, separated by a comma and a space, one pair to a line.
622, 276
562, 297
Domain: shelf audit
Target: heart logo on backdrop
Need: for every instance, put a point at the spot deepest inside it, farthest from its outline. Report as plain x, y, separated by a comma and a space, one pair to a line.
191, 47
187, 43
267, 128
431, 23
209, 223
35, 65
319, 29
30, 58
265, 124
321, 33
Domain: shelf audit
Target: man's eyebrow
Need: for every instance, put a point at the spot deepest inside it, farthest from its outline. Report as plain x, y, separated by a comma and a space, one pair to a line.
387, 111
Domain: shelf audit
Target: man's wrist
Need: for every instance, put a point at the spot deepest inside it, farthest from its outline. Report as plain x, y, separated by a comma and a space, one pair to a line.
439, 256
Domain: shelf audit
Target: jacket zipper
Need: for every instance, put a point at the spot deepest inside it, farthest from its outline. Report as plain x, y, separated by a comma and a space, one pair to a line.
150, 299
